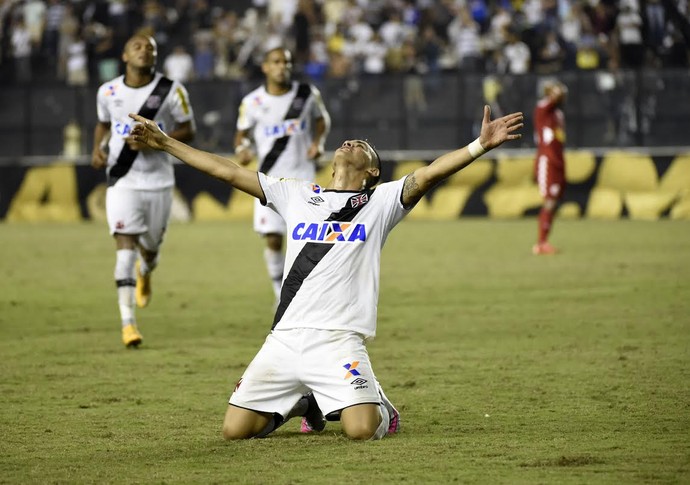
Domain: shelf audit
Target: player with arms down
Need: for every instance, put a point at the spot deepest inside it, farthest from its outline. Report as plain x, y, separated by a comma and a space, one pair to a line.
329, 297
549, 165
140, 180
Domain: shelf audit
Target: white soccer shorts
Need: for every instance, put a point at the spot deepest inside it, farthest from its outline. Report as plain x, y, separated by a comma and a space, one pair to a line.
139, 212
333, 364
267, 221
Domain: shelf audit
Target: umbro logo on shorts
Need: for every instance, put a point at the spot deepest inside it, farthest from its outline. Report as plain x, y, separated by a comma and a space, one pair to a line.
360, 383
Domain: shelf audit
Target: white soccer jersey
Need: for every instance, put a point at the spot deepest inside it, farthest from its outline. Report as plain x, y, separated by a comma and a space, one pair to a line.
271, 123
152, 169
334, 242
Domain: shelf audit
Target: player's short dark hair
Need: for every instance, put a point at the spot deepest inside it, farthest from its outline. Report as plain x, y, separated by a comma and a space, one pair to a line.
374, 180
276, 48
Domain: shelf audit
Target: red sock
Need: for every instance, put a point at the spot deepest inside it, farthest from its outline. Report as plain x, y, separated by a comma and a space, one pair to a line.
545, 219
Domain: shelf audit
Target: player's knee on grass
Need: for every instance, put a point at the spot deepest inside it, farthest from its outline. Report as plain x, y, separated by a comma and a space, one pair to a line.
361, 422
242, 424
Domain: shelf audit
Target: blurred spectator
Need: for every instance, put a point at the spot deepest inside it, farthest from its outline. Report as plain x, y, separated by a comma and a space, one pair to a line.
393, 32
69, 31
179, 65
413, 85
51, 33
155, 20
103, 52
429, 50
204, 60
463, 33
550, 56
675, 52
629, 35
469, 35
656, 21
340, 66
20, 39
76, 63
374, 54
516, 56
34, 13
588, 54
317, 65
306, 19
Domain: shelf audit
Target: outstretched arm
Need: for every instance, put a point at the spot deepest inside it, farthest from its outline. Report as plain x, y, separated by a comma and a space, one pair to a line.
148, 133
493, 134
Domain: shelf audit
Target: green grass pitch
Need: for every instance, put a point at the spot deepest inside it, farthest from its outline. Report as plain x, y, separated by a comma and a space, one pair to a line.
507, 368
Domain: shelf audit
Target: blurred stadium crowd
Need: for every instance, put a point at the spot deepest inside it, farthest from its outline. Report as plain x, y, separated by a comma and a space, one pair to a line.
79, 42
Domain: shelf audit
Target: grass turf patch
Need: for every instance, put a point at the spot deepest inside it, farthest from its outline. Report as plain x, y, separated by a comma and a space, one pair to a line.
506, 367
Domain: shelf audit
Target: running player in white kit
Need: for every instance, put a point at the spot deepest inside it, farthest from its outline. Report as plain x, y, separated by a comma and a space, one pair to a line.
288, 124
140, 180
328, 302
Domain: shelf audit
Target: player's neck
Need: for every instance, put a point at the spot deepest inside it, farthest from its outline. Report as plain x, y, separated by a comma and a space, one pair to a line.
346, 180
136, 78
276, 89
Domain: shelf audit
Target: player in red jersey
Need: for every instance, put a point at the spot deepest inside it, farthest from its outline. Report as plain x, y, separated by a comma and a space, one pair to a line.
549, 166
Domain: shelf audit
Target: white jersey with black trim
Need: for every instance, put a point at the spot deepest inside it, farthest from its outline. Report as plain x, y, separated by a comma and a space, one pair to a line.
152, 169
264, 115
334, 242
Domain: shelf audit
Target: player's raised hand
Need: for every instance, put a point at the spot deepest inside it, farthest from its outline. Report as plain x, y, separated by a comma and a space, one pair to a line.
495, 132
147, 133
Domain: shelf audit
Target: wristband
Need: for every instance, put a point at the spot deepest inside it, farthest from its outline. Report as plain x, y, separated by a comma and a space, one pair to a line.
244, 145
476, 149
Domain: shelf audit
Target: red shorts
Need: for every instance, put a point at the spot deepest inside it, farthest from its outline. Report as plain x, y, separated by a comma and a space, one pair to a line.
550, 175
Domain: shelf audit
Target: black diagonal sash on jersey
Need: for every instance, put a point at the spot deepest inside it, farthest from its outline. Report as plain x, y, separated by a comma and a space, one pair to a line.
298, 103
126, 157
312, 253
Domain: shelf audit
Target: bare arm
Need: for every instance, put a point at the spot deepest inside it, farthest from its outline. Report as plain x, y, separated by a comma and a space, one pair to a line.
148, 133
493, 134
98, 156
321, 128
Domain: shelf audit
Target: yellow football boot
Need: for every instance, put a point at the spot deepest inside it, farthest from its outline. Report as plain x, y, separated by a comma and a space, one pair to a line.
143, 290
131, 336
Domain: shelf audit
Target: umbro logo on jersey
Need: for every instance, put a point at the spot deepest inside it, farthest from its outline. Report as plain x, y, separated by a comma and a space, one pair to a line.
316, 200
329, 232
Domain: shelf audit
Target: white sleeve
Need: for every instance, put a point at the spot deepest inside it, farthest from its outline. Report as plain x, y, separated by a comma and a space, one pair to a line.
277, 191
180, 107
391, 192
102, 107
318, 109
244, 116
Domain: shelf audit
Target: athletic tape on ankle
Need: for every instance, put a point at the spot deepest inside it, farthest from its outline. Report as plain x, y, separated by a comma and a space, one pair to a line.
476, 149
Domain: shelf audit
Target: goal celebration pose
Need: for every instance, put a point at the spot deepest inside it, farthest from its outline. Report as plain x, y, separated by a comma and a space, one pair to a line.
329, 297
